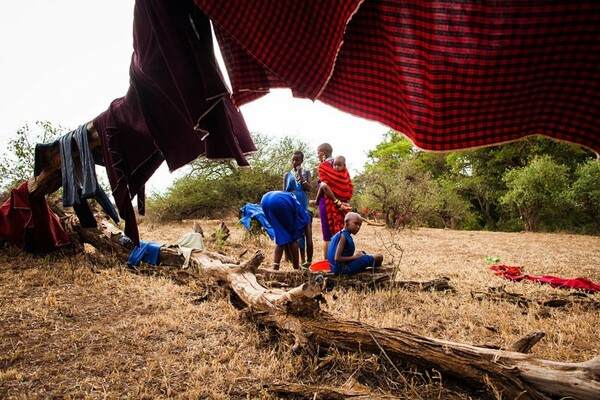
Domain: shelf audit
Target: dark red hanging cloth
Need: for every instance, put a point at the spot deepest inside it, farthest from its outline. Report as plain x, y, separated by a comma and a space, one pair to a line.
176, 109
449, 74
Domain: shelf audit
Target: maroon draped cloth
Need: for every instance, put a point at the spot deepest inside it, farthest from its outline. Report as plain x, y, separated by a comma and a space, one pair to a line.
30, 225
448, 74
176, 109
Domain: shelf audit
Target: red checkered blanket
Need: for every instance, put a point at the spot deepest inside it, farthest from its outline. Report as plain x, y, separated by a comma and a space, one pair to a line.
448, 74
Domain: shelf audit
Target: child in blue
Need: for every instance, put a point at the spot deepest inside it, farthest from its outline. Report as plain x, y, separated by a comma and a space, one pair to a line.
340, 254
297, 181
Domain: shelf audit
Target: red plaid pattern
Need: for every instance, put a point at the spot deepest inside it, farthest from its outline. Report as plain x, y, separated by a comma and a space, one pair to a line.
268, 44
449, 74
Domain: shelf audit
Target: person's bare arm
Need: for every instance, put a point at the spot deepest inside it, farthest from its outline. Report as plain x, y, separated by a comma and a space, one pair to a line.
339, 258
306, 182
329, 193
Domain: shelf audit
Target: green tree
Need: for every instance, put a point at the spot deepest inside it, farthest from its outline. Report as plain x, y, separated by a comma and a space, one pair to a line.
450, 208
394, 149
537, 191
218, 188
585, 191
16, 164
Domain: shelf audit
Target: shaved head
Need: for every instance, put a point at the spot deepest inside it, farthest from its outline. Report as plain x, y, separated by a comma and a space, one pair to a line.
325, 148
352, 216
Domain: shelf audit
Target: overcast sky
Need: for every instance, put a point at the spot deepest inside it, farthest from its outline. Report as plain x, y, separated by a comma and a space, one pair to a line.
64, 61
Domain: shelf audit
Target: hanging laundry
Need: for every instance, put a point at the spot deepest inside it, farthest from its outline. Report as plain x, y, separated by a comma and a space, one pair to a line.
449, 75
187, 243
176, 109
79, 180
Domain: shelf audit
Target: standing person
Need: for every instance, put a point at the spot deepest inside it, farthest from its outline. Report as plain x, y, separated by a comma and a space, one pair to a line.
289, 220
297, 181
335, 191
341, 256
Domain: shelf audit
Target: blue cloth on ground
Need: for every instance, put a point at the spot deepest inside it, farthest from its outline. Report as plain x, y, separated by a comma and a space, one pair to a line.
286, 215
147, 252
251, 210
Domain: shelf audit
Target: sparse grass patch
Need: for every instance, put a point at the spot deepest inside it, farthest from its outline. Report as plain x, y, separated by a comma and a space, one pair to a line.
69, 328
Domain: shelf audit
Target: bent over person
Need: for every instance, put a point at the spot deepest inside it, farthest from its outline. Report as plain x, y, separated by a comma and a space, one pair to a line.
289, 220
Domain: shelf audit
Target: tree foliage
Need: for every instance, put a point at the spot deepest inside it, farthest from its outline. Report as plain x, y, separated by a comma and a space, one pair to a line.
537, 191
217, 188
518, 185
585, 191
17, 161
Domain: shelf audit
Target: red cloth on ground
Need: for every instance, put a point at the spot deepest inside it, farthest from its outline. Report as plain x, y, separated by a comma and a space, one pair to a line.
515, 274
30, 225
341, 186
448, 74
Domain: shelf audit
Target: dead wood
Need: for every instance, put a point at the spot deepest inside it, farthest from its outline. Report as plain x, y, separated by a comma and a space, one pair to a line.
499, 294
525, 344
221, 234
297, 311
321, 392
372, 222
379, 278
513, 374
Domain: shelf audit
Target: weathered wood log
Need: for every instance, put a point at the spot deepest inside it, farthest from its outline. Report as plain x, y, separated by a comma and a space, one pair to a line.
381, 278
525, 344
297, 311
512, 374
106, 239
499, 294
287, 389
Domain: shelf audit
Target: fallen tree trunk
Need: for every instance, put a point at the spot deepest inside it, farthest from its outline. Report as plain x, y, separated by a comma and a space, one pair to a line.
499, 294
379, 278
508, 373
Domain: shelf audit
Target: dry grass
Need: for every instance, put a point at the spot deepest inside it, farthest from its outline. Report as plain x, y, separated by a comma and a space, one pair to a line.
72, 330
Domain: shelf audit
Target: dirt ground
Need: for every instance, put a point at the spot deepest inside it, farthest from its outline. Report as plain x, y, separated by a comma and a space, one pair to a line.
72, 328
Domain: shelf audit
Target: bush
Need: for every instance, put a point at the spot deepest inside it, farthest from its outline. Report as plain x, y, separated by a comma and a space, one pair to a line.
216, 189
538, 193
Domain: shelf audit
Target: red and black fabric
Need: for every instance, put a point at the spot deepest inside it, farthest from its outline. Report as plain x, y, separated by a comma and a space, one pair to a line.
176, 109
515, 273
268, 44
448, 74
341, 186
30, 226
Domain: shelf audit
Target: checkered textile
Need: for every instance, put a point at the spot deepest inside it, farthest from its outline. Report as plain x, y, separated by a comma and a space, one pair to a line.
448, 74
291, 43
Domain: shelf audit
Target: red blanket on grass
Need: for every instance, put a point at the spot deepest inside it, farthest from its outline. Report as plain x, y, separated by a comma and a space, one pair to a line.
515, 273
341, 186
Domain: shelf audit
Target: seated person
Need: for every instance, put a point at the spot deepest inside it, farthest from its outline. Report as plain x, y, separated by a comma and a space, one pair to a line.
340, 254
